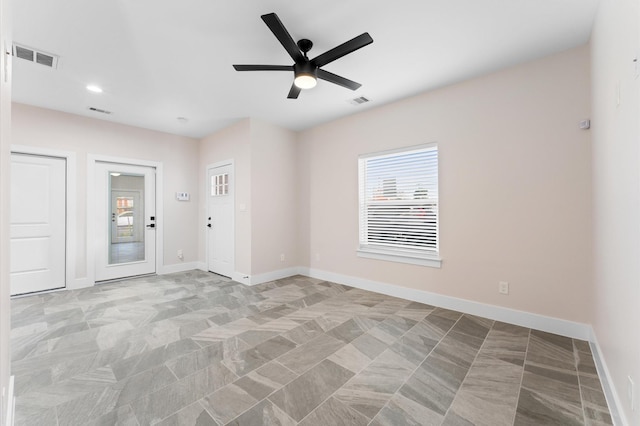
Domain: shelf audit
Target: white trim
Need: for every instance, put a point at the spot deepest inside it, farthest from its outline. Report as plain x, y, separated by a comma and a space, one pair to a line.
240, 277
80, 283
403, 150
237, 276
11, 402
559, 326
71, 202
610, 393
396, 256
178, 267
92, 159
274, 275
202, 266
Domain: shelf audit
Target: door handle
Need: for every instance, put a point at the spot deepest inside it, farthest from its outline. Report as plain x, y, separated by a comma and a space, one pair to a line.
209, 225
153, 225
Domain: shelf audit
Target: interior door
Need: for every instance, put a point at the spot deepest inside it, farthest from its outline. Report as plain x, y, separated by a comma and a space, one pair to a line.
38, 223
220, 224
125, 221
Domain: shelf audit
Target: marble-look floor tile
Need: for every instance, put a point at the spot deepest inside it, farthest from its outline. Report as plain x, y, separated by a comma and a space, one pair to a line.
350, 358
305, 393
263, 414
249, 360
188, 364
265, 380
401, 411
296, 350
309, 354
191, 415
160, 404
366, 402
489, 393
333, 412
227, 403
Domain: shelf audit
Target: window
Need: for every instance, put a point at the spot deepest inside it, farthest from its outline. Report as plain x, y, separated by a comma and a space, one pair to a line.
220, 185
399, 205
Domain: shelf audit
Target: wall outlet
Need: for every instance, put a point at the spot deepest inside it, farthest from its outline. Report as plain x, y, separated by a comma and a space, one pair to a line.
180, 254
282, 257
503, 287
631, 393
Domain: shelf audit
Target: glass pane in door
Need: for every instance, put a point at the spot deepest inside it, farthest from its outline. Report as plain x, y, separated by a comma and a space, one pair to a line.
126, 243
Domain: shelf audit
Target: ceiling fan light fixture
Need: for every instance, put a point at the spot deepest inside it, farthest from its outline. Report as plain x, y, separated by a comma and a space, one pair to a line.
305, 81
305, 75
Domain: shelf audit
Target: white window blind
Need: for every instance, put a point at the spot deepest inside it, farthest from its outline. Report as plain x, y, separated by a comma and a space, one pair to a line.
399, 202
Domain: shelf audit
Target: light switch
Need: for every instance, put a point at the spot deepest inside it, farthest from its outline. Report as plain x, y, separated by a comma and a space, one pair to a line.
182, 196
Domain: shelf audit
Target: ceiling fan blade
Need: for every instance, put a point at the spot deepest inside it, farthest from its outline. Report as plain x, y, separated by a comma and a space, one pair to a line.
294, 92
283, 36
336, 79
344, 49
263, 67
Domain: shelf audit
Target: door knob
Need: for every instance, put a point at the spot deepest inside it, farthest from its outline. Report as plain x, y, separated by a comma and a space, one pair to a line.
209, 225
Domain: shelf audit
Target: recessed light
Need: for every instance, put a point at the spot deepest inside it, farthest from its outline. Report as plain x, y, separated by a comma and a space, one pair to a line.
93, 88
115, 174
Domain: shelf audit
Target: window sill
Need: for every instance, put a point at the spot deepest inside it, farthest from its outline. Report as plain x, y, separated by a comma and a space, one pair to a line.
432, 261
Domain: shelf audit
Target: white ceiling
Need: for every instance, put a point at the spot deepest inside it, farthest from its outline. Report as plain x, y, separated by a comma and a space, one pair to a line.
158, 59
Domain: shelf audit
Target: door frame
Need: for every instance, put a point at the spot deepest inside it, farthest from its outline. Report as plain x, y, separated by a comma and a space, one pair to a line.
70, 204
92, 159
207, 187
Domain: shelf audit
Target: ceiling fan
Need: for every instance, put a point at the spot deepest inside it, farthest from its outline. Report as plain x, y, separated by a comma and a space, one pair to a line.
306, 70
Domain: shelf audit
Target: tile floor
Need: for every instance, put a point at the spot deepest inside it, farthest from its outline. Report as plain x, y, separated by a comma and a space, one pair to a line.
197, 349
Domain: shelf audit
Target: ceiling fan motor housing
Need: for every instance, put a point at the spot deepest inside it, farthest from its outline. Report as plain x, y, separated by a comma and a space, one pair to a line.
305, 68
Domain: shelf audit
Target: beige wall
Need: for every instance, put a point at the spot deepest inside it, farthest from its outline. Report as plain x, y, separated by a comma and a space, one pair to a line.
515, 200
49, 129
264, 157
616, 157
274, 214
232, 143
5, 166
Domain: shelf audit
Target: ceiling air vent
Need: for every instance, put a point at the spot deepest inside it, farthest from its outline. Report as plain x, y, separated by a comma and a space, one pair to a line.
34, 55
359, 101
101, 111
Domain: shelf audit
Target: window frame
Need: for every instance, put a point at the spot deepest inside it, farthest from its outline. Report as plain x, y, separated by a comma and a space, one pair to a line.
415, 256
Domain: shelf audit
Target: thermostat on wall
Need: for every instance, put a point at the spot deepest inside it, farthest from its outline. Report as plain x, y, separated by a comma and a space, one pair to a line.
182, 196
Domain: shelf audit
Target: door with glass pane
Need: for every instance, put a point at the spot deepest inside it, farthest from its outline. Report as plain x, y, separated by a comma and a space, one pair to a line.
220, 224
125, 221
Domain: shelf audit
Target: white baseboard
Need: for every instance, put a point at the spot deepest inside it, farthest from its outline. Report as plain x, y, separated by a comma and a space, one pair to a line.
239, 277
525, 319
610, 393
242, 278
178, 267
79, 283
274, 275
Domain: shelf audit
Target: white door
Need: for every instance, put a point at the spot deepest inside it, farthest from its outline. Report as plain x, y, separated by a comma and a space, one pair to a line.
125, 243
220, 225
38, 223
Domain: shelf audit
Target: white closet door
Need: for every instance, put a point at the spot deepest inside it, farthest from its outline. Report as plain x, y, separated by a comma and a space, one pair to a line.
38, 223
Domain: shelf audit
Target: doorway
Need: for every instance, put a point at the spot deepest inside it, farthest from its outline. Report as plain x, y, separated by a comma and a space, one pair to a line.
220, 219
38, 223
125, 220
